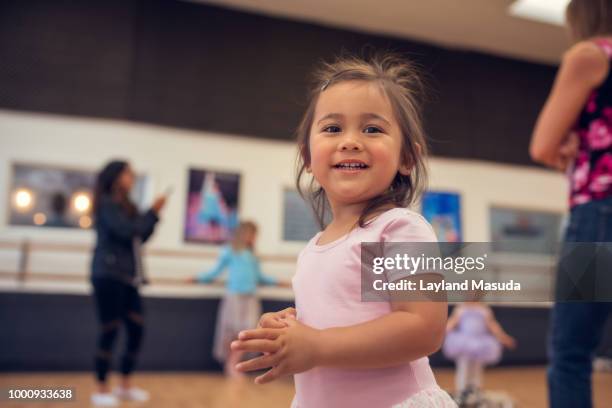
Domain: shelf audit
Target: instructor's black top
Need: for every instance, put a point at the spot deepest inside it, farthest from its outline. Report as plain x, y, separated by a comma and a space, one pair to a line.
115, 255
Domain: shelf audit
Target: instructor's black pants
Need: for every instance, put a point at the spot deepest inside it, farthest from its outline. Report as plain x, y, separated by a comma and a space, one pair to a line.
117, 304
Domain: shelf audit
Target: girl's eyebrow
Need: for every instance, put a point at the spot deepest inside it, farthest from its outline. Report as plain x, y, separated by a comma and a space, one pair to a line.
375, 116
369, 115
335, 116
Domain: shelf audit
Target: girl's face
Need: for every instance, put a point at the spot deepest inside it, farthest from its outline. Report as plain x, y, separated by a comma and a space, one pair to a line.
355, 143
249, 236
125, 181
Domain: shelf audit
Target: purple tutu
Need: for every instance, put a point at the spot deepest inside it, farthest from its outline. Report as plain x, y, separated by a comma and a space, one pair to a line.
471, 339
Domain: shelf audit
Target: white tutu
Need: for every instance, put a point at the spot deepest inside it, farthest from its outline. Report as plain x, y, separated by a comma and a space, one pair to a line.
236, 313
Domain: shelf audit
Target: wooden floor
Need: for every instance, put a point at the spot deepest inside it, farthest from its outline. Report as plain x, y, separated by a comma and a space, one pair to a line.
527, 386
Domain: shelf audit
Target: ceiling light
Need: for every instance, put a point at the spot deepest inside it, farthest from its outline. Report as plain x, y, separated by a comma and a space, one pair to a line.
545, 11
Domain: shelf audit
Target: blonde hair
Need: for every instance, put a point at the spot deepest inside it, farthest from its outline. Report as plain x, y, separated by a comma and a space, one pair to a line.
589, 18
399, 82
238, 241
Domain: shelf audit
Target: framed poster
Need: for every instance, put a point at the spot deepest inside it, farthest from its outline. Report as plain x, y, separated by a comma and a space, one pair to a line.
524, 230
212, 206
443, 211
299, 223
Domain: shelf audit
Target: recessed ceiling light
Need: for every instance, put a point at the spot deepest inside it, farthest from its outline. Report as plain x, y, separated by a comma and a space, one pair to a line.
546, 11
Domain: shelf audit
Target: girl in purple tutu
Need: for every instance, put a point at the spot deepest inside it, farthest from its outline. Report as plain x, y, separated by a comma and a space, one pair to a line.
474, 338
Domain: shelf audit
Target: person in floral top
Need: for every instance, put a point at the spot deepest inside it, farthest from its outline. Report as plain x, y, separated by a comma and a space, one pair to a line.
574, 134
592, 172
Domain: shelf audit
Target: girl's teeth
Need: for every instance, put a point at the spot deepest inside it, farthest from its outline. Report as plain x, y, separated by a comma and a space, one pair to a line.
352, 165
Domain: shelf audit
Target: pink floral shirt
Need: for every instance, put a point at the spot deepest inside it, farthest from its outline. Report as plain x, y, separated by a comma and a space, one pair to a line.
591, 178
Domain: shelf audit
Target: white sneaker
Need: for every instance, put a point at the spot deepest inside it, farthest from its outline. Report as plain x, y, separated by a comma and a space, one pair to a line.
603, 364
104, 399
132, 394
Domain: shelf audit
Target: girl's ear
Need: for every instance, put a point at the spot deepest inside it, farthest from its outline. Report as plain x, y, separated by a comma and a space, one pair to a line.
406, 167
304, 153
405, 170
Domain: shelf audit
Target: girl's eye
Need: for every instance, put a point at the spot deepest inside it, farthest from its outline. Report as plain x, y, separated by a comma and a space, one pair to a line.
372, 129
332, 129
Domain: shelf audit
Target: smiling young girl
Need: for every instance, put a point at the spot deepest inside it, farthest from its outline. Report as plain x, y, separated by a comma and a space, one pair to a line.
362, 141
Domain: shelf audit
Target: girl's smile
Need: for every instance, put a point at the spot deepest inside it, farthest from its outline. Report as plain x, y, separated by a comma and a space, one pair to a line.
351, 166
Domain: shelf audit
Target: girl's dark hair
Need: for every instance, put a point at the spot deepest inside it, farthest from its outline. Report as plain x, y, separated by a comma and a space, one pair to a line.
106, 187
589, 18
399, 82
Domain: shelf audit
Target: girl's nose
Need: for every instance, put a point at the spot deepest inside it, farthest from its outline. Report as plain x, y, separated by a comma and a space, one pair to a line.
349, 143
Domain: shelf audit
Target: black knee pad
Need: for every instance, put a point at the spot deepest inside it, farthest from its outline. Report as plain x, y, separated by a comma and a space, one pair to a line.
108, 336
135, 333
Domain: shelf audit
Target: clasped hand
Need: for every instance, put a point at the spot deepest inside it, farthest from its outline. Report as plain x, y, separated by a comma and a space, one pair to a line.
288, 346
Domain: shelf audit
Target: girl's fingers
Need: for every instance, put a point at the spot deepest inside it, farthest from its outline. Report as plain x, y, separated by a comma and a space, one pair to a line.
271, 323
259, 363
264, 318
263, 346
270, 375
290, 311
275, 320
291, 322
263, 333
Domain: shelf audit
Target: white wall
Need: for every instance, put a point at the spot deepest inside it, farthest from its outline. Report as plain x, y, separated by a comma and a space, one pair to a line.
483, 184
266, 167
165, 154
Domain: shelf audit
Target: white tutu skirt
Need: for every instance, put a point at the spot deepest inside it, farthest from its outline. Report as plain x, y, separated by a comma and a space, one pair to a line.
434, 397
236, 313
428, 398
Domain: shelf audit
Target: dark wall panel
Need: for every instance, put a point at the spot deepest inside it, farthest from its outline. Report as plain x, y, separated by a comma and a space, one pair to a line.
190, 65
57, 332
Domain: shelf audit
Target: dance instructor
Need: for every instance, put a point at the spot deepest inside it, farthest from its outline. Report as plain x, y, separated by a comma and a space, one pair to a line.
574, 133
116, 275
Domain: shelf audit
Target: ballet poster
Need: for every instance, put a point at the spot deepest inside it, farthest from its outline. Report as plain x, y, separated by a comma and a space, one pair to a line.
443, 211
212, 206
